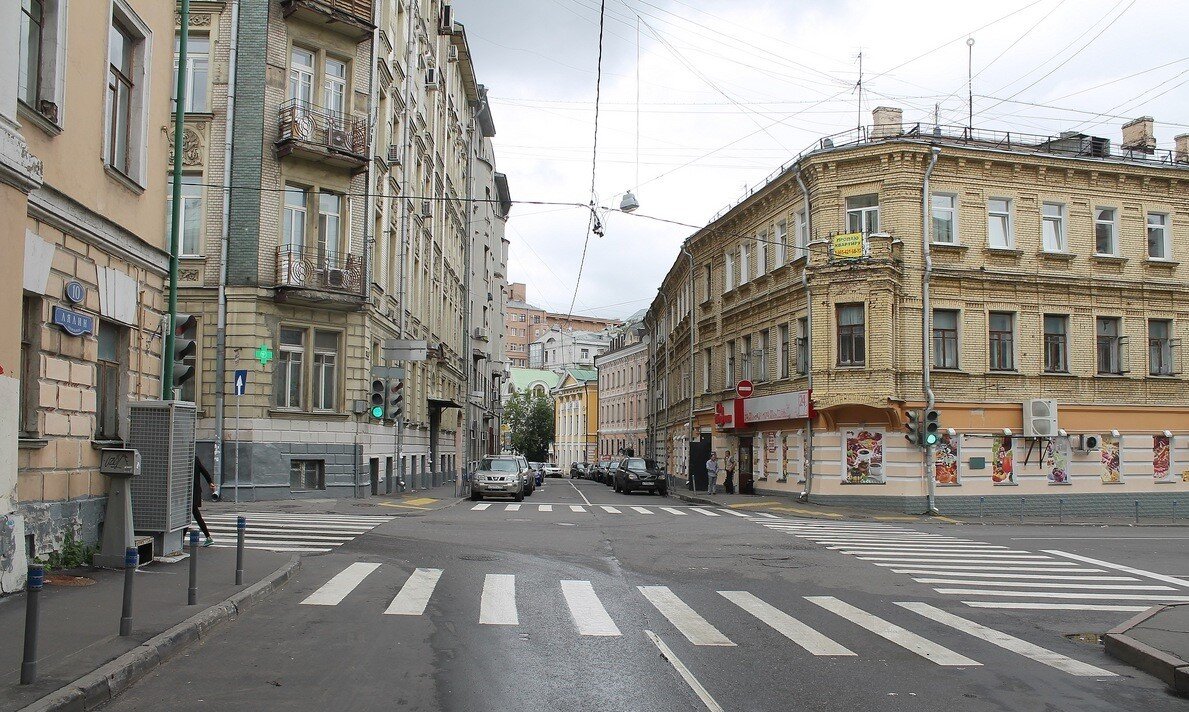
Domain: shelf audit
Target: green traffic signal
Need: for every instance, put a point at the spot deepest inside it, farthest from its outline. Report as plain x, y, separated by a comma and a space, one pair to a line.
932, 424
377, 411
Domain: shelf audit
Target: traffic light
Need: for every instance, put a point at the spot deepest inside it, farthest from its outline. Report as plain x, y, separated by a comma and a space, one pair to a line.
185, 329
396, 398
932, 423
912, 428
376, 401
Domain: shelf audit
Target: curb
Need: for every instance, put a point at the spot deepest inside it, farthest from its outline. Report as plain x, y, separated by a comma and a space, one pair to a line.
100, 686
1166, 667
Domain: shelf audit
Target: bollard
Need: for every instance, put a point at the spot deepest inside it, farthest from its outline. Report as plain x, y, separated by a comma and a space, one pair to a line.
1060, 510
192, 592
131, 561
1021, 510
1137, 511
32, 609
981, 502
240, 525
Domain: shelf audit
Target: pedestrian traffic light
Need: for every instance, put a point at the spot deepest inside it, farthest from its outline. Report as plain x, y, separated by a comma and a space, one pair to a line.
376, 401
912, 428
185, 329
932, 425
396, 398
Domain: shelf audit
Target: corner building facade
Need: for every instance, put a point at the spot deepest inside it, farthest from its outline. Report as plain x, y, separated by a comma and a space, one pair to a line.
1057, 309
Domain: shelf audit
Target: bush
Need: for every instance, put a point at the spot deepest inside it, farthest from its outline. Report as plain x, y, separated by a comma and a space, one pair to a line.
72, 555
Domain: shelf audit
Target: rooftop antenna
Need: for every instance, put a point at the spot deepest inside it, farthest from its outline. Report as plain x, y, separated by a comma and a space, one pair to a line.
970, 84
859, 87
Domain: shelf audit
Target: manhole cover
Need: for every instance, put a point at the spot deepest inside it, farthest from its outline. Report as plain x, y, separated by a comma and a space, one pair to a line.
1091, 638
479, 557
64, 580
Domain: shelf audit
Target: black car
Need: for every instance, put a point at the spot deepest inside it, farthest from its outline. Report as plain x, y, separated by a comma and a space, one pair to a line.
579, 469
637, 473
608, 473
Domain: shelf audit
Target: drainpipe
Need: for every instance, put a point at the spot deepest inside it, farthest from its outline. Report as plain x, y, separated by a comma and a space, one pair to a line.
469, 413
369, 219
221, 325
804, 497
689, 469
926, 365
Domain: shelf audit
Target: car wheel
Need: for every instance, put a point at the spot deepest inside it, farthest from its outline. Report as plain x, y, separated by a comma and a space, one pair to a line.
663, 492
475, 496
519, 497
626, 490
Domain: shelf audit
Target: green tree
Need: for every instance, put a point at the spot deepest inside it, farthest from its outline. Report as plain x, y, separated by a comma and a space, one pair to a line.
530, 421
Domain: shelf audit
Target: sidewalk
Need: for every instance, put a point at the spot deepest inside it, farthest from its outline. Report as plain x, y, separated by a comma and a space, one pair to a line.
1157, 642
395, 504
79, 625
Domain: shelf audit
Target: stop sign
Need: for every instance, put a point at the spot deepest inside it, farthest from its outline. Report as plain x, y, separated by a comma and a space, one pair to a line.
744, 389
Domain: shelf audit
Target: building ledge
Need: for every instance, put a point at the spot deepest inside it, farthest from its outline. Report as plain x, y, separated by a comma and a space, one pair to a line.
100, 444
1003, 251
1112, 260
31, 443
948, 247
309, 414
1157, 263
1056, 256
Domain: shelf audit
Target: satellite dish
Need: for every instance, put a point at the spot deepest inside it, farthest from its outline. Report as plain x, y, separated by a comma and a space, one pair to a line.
629, 203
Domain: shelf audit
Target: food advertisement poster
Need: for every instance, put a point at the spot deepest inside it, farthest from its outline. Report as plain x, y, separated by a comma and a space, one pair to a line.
1162, 459
945, 460
1002, 466
1057, 453
863, 458
1111, 465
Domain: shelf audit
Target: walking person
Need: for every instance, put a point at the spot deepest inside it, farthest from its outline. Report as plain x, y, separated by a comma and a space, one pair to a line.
728, 485
712, 473
201, 473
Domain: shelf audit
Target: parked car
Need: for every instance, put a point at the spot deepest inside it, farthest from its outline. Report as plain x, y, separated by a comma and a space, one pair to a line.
551, 469
599, 470
500, 476
530, 476
582, 470
609, 473
577, 469
637, 473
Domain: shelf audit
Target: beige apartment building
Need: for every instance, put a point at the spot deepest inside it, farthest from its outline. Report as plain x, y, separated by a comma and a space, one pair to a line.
576, 417
525, 323
1054, 273
623, 393
82, 196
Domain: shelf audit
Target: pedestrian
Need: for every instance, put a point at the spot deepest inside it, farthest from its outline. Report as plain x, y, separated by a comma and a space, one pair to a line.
728, 485
712, 473
201, 473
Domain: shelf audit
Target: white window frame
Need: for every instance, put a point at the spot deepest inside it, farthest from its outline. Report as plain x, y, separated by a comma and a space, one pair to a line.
1058, 224
294, 219
321, 366
1113, 224
782, 243
138, 114
193, 58
302, 78
192, 198
330, 226
284, 401
761, 253
334, 87
1163, 228
802, 238
729, 272
707, 356
744, 264
1008, 223
863, 213
784, 334
51, 74
952, 212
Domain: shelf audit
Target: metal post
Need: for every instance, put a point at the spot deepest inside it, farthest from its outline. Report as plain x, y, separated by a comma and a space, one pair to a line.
238, 435
131, 561
179, 127
192, 592
240, 525
32, 608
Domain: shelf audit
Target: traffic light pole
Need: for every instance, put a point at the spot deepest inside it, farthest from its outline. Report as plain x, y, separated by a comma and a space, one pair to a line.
175, 217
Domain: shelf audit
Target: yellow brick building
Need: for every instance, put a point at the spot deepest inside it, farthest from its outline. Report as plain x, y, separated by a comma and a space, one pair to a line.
576, 417
1057, 298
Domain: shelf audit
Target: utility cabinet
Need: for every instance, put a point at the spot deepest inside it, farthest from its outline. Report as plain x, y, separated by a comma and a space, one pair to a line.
163, 433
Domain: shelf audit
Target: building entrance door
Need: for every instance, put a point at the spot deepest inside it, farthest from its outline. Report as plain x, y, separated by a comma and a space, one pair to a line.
374, 474
746, 476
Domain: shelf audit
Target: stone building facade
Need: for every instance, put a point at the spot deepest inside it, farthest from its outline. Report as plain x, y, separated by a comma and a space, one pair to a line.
1056, 288
576, 419
526, 323
623, 393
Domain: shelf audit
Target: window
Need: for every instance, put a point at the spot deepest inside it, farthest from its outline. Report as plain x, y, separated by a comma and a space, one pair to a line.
729, 274
334, 87
330, 227
119, 98
1105, 242
198, 62
189, 390
1053, 227
29, 60
744, 264
746, 361
761, 254
1056, 337
706, 354
945, 338
862, 213
706, 283
945, 218
107, 381
1160, 347
301, 76
802, 236
1158, 236
999, 227
306, 475
326, 351
293, 227
782, 243
1001, 332
1110, 345
191, 222
803, 346
730, 363
783, 353
852, 338
585, 354
759, 358
288, 370
30, 365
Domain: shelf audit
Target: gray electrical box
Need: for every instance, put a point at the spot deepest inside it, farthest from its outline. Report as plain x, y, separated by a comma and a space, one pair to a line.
163, 433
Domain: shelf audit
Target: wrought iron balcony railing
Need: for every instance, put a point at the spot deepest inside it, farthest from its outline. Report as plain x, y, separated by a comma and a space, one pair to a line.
336, 132
311, 268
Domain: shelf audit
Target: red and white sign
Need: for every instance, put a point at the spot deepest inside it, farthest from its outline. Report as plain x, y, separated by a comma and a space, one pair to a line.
744, 389
782, 406
729, 414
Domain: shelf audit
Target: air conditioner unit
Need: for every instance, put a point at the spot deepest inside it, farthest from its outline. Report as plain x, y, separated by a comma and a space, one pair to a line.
394, 154
427, 210
338, 138
431, 78
452, 53
1089, 443
480, 333
336, 278
446, 20
1040, 418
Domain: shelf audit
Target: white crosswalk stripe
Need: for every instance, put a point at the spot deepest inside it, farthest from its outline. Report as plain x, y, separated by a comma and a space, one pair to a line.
544, 507
610, 510
481, 506
642, 510
893, 633
590, 617
786, 625
511, 507
291, 532
577, 508
336, 589
621, 509
694, 627
498, 603
734, 513
414, 595
671, 510
707, 512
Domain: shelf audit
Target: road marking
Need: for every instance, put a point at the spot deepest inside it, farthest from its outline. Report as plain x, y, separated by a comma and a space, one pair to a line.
734, 513
893, 633
642, 510
1120, 567
584, 499
925, 546
747, 505
684, 672
1061, 594
511, 507
481, 506
544, 507
296, 549
1008, 642
1013, 605
765, 514
413, 597
791, 628
1106, 538
577, 508
707, 512
283, 534
694, 627
1034, 584
336, 589
1051, 566
587, 610
420, 501
918, 560
970, 555
609, 509
670, 510
1043, 577
309, 517
497, 606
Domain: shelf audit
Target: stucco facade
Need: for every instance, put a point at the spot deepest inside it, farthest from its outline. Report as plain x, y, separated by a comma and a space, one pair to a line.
623, 394
576, 419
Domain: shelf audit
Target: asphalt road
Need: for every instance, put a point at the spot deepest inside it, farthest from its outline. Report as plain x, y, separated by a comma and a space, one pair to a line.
527, 609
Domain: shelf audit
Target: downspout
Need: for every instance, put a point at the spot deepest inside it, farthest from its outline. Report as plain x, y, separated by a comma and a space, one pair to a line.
369, 217
926, 360
471, 449
689, 469
403, 206
225, 245
804, 496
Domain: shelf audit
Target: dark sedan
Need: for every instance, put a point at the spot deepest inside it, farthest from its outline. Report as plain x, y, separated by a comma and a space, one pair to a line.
637, 473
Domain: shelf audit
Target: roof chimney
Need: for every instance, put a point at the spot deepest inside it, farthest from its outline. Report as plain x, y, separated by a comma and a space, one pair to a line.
889, 121
1182, 149
1139, 135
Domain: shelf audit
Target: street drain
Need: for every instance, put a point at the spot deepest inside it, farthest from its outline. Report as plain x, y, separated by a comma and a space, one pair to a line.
1091, 638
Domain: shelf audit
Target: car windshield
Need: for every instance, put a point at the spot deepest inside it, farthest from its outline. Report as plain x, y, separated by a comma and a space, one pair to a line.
639, 464
495, 465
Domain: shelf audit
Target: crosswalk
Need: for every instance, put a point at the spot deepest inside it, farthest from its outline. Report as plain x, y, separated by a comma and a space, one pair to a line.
289, 532
988, 575
606, 509
915, 627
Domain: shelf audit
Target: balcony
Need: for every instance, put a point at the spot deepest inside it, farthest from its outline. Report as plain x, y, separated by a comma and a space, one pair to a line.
322, 135
332, 280
350, 18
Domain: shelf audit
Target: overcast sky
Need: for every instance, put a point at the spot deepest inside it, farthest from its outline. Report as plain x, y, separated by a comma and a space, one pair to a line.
731, 89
